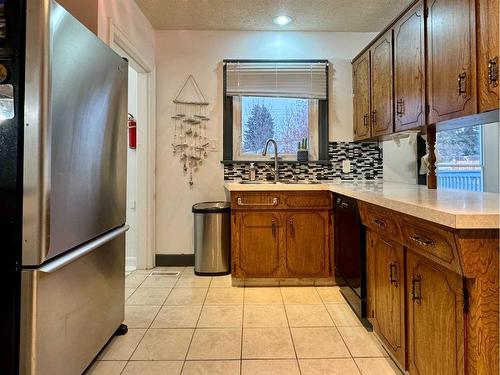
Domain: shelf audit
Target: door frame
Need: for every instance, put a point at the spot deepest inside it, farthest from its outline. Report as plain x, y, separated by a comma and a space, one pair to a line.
146, 158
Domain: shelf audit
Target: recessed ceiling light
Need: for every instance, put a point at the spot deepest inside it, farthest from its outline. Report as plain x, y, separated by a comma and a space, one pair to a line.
282, 20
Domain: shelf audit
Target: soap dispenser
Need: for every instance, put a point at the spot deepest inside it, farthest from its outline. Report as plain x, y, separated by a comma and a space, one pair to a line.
252, 172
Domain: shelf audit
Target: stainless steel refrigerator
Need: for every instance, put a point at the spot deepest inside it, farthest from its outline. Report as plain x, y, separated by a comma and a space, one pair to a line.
63, 123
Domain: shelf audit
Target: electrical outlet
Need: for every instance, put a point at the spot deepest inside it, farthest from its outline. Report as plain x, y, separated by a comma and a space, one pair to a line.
213, 145
346, 166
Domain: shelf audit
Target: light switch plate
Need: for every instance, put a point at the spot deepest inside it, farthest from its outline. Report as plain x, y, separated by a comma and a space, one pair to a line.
346, 166
213, 145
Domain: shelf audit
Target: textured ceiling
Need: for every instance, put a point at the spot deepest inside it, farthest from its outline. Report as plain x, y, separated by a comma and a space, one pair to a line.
307, 15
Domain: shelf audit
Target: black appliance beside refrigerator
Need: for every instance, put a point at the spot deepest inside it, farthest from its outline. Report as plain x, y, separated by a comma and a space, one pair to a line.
63, 117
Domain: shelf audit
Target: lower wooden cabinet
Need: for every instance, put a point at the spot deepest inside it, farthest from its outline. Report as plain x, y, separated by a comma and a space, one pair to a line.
386, 281
306, 246
291, 237
256, 244
435, 318
432, 293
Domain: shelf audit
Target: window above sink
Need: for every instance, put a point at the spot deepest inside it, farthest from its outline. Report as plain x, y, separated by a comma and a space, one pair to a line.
286, 100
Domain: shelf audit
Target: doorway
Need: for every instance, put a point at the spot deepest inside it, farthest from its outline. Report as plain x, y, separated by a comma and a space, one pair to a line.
141, 161
131, 243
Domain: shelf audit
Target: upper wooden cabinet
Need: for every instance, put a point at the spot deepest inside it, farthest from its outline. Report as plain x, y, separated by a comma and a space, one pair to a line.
488, 54
442, 64
84, 11
381, 86
409, 69
451, 59
361, 98
372, 87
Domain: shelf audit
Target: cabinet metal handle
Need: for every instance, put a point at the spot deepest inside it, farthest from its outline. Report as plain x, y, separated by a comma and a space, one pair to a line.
380, 223
240, 202
400, 107
273, 224
343, 205
422, 240
416, 289
292, 229
493, 71
365, 120
374, 117
393, 270
462, 84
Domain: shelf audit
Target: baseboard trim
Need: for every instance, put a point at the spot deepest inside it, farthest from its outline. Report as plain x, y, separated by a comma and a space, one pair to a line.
130, 263
174, 260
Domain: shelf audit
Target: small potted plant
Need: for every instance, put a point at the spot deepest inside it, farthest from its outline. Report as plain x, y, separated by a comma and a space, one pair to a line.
302, 151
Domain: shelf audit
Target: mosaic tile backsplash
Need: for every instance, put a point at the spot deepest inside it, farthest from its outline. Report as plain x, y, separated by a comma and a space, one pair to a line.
366, 164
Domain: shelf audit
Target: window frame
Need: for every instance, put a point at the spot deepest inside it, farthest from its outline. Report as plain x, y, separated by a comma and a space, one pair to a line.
229, 135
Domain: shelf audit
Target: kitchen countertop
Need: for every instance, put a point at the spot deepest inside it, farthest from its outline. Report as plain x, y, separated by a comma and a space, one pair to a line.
452, 208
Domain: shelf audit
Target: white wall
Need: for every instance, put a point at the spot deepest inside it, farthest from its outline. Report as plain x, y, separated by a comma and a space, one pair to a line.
180, 53
130, 19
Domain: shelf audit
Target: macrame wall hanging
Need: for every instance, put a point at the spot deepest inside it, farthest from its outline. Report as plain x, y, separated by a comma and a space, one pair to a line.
190, 127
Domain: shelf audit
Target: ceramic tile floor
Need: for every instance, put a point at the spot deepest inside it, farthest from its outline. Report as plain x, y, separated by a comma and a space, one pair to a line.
201, 325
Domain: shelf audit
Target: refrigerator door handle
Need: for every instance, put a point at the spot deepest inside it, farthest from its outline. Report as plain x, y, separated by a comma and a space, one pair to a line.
80, 251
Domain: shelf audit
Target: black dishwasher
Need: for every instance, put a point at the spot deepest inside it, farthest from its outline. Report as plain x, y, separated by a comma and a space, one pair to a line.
350, 253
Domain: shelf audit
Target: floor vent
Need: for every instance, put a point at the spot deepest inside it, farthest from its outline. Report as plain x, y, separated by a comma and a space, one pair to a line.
164, 273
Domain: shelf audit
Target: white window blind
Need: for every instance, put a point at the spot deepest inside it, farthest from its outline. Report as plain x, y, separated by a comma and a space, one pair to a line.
283, 79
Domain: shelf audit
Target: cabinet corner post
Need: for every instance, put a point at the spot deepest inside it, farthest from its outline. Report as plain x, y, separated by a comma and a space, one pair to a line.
431, 149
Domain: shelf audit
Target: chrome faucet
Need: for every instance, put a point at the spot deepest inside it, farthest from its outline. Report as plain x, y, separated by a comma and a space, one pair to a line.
274, 171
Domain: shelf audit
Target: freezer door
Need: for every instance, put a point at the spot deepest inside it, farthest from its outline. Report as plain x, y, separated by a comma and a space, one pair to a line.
71, 306
74, 135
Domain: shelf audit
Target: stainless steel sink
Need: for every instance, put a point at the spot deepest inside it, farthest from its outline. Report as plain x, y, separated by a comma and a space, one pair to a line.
301, 182
286, 182
257, 182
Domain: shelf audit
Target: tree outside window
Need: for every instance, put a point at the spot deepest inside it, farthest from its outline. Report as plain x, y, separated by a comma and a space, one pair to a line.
284, 119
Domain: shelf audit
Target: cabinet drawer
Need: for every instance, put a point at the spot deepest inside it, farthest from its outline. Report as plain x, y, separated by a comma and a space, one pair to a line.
317, 200
381, 220
255, 201
280, 200
431, 241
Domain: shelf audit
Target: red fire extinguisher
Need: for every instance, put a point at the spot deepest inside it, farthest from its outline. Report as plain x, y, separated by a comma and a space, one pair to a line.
132, 132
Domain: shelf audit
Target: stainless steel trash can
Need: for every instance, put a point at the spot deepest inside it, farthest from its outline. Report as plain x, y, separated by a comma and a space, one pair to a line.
212, 238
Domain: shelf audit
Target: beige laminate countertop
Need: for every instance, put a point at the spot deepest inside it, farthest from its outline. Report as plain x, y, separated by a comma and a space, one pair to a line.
452, 208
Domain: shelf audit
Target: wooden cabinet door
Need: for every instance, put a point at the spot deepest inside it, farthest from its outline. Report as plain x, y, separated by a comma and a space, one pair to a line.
409, 69
488, 54
256, 238
382, 120
435, 318
361, 96
451, 59
388, 287
307, 250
